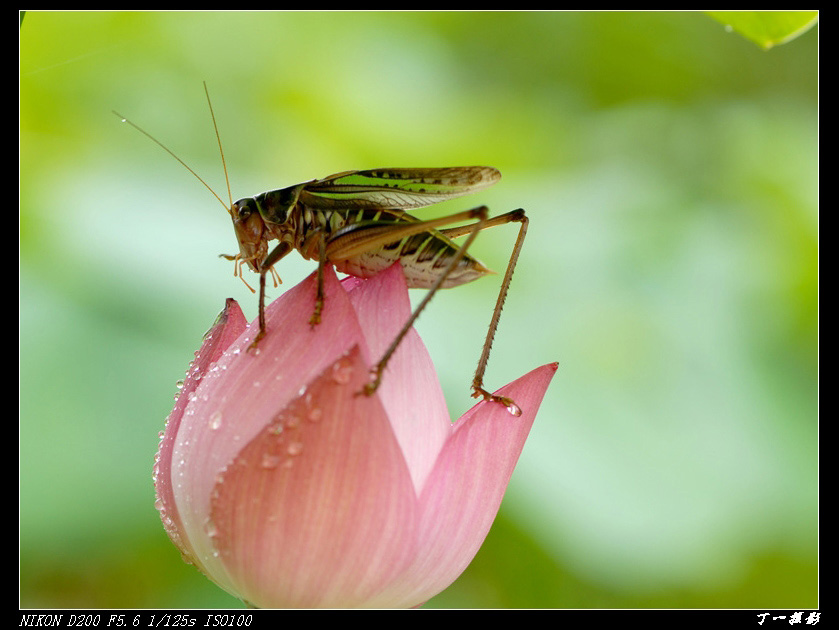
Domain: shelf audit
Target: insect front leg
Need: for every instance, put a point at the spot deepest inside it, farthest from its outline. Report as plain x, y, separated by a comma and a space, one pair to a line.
264, 267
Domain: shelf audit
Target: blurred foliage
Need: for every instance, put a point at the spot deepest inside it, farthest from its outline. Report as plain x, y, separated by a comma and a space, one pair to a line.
670, 170
767, 28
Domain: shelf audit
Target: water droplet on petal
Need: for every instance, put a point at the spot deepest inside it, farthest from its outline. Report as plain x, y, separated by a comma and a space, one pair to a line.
315, 414
215, 420
270, 461
341, 374
211, 529
514, 409
295, 448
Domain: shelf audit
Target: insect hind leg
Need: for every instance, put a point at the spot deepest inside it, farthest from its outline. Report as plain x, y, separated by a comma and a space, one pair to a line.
377, 371
478, 390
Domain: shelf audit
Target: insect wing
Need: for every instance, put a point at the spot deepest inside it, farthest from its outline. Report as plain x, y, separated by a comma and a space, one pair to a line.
402, 188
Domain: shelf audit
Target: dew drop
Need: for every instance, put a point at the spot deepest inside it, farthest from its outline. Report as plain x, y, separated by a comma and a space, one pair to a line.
295, 448
215, 420
342, 374
270, 461
210, 529
514, 409
179, 384
315, 414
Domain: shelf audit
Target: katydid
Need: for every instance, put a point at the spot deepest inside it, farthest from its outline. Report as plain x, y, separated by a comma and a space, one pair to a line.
357, 221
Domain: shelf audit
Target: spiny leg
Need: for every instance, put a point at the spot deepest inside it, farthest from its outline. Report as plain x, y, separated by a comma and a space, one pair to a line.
478, 380
359, 238
314, 320
378, 370
501, 219
264, 267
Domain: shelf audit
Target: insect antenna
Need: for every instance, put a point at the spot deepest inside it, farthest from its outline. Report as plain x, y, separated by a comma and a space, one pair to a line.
238, 262
220, 150
184, 164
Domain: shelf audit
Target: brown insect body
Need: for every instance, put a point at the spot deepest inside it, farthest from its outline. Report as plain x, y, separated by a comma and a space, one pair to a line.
358, 222
261, 219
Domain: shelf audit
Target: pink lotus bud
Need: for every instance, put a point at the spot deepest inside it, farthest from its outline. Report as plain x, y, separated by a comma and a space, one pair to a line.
289, 489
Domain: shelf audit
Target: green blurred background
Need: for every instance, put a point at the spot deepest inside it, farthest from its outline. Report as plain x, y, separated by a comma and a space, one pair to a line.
670, 170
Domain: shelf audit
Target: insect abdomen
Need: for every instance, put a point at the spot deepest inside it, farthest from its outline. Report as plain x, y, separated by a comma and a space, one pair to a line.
424, 257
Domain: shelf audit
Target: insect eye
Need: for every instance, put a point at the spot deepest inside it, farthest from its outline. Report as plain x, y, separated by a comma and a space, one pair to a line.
241, 210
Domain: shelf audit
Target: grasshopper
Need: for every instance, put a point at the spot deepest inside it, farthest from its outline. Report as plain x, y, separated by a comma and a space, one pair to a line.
357, 221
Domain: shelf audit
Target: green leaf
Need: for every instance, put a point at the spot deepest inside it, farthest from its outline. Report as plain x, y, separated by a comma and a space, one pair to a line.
767, 28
